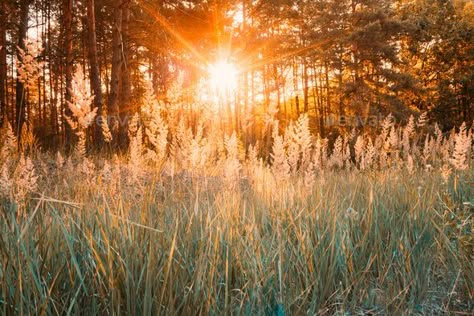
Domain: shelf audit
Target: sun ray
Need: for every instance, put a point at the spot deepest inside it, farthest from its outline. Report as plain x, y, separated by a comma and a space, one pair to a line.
165, 24
223, 77
267, 61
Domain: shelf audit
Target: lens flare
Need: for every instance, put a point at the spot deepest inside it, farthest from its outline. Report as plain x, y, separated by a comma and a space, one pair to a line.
223, 76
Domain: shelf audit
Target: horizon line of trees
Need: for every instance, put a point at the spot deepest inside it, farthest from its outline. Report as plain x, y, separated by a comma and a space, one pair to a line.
351, 58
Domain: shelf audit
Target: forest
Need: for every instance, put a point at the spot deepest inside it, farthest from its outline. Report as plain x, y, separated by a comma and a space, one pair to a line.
237, 157
336, 61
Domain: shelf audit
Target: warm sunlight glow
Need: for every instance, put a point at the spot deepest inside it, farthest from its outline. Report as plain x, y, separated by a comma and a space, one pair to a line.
223, 76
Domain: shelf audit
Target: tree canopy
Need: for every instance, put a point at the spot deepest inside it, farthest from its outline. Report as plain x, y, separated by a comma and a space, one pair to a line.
336, 60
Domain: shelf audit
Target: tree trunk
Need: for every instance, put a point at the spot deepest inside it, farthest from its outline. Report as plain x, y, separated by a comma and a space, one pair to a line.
67, 15
125, 104
295, 87
3, 62
328, 85
277, 88
305, 87
94, 71
340, 83
20, 87
113, 108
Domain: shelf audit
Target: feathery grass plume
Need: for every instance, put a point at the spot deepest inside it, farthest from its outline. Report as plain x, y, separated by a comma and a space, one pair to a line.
470, 135
446, 172
156, 129
446, 150
28, 140
104, 125
393, 138
232, 166
439, 135
69, 165
325, 152
106, 172
111, 175
383, 158
451, 141
157, 134
292, 148
25, 180
44, 165
252, 155
347, 156
422, 120
410, 127
136, 142
82, 115
181, 144
408, 133
437, 143
29, 67
191, 151
301, 136
5, 182
462, 147
135, 152
410, 164
262, 179
175, 143
216, 146
353, 134
370, 155
416, 150
251, 160
317, 154
198, 150
359, 149
427, 149
382, 143
310, 175
304, 139
196, 157
87, 169
150, 102
81, 147
105, 177
387, 125
337, 156
280, 166
10, 142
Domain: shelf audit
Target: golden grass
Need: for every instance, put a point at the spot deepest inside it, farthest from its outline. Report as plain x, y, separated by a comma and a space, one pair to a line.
378, 242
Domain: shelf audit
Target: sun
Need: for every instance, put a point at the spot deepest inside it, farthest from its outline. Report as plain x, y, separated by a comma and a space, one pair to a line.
223, 76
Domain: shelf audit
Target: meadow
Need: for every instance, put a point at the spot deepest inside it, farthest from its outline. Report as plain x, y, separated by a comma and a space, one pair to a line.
190, 221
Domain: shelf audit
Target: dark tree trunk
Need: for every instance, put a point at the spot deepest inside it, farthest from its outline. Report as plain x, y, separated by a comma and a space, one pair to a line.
305, 87
94, 70
295, 86
113, 108
20, 87
3, 62
125, 99
67, 11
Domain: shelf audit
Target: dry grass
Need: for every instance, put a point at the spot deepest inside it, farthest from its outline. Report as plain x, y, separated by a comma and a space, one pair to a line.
363, 242
189, 223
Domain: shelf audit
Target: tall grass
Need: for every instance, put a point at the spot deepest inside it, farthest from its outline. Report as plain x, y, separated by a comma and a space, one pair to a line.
379, 242
191, 223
